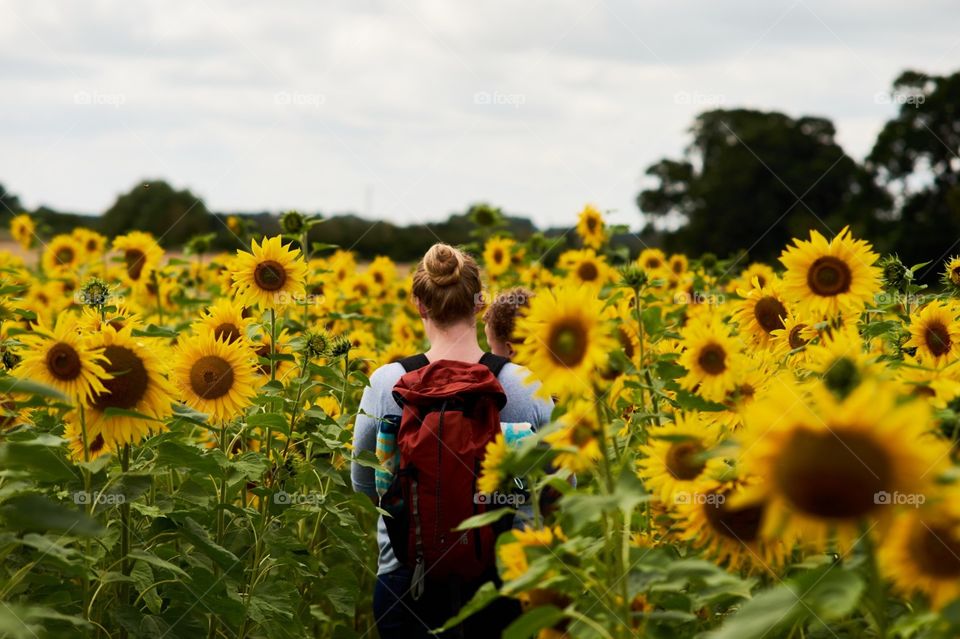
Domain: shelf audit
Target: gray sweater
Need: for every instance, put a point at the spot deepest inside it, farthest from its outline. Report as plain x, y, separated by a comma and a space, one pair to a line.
377, 402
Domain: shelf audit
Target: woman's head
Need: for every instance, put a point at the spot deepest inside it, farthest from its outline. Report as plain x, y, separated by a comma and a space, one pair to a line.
446, 286
501, 317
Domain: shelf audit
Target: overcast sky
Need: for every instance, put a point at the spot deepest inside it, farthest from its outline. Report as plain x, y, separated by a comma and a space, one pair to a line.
413, 109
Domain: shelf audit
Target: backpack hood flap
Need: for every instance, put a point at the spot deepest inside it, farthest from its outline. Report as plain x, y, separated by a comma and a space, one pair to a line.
445, 379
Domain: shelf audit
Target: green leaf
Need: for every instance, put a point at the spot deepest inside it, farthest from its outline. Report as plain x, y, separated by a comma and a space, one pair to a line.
10, 384
823, 595
34, 513
199, 537
484, 519
276, 421
532, 621
173, 454
485, 595
157, 562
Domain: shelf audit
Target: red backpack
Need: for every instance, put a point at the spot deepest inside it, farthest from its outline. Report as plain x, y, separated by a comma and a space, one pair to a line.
451, 411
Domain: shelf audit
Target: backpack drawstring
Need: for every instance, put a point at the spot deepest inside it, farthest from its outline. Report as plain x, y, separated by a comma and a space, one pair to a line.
417, 582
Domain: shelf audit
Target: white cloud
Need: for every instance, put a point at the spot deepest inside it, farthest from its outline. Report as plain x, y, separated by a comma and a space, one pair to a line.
537, 106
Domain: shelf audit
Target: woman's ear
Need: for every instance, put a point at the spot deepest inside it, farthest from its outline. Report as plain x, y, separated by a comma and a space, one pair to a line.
511, 351
421, 309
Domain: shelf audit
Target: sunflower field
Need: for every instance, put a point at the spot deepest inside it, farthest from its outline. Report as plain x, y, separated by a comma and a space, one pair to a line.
762, 450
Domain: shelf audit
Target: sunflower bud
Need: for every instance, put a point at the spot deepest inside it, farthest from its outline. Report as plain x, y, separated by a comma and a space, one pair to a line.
317, 345
896, 276
484, 215
94, 292
633, 277
842, 377
292, 222
708, 261
340, 346
9, 358
951, 275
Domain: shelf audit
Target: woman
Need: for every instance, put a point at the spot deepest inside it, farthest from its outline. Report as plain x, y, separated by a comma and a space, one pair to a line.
446, 292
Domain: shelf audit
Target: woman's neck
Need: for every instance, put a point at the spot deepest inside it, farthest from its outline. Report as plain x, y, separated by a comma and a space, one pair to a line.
457, 342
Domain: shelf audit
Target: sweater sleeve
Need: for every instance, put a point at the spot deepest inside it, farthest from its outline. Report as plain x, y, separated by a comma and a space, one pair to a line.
365, 439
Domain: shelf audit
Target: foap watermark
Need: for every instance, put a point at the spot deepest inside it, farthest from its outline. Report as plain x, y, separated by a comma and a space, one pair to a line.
284, 298
84, 498
500, 499
896, 498
699, 297
684, 497
888, 298
512, 298
515, 100
900, 99
299, 99
283, 498
95, 98
699, 99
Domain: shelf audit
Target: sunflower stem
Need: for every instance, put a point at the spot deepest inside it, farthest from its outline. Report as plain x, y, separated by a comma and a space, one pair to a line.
124, 536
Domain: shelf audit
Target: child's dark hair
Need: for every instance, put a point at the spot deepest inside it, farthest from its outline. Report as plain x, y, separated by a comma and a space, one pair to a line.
502, 313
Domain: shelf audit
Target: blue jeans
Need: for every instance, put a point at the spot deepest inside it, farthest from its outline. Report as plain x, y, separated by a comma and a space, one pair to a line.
399, 616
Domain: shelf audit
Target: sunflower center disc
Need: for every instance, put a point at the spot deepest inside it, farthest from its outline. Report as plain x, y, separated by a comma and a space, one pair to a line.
135, 260
713, 359
625, 343
568, 343
227, 331
498, 256
63, 362
588, 272
829, 276
936, 550
938, 338
683, 460
591, 224
769, 313
211, 377
263, 352
129, 383
65, 256
270, 275
742, 524
795, 339
833, 474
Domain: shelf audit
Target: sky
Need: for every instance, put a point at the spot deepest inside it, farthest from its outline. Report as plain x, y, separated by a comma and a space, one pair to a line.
410, 110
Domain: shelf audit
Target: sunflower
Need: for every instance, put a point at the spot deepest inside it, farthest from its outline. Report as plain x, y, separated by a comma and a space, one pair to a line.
712, 358
677, 264
497, 255
828, 277
382, 272
137, 384
586, 268
492, 474
840, 360
92, 242
227, 320
23, 230
283, 362
762, 310
565, 341
724, 520
270, 276
513, 554
935, 333
215, 376
62, 255
938, 385
653, 261
590, 227
676, 455
793, 338
827, 462
756, 271
62, 358
85, 442
577, 438
141, 255
921, 552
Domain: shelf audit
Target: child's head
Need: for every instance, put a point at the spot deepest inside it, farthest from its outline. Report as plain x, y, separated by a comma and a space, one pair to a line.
500, 319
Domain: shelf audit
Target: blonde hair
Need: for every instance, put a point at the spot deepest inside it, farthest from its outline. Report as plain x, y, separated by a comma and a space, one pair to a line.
447, 283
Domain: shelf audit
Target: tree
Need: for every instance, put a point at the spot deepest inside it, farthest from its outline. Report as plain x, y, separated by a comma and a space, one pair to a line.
156, 207
9, 204
916, 156
752, 180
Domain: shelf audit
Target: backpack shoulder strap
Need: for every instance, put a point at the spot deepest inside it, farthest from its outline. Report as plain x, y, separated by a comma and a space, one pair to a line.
414, 362
494, 362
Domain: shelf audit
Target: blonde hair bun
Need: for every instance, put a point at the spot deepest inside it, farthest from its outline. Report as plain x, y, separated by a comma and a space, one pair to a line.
443, 264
